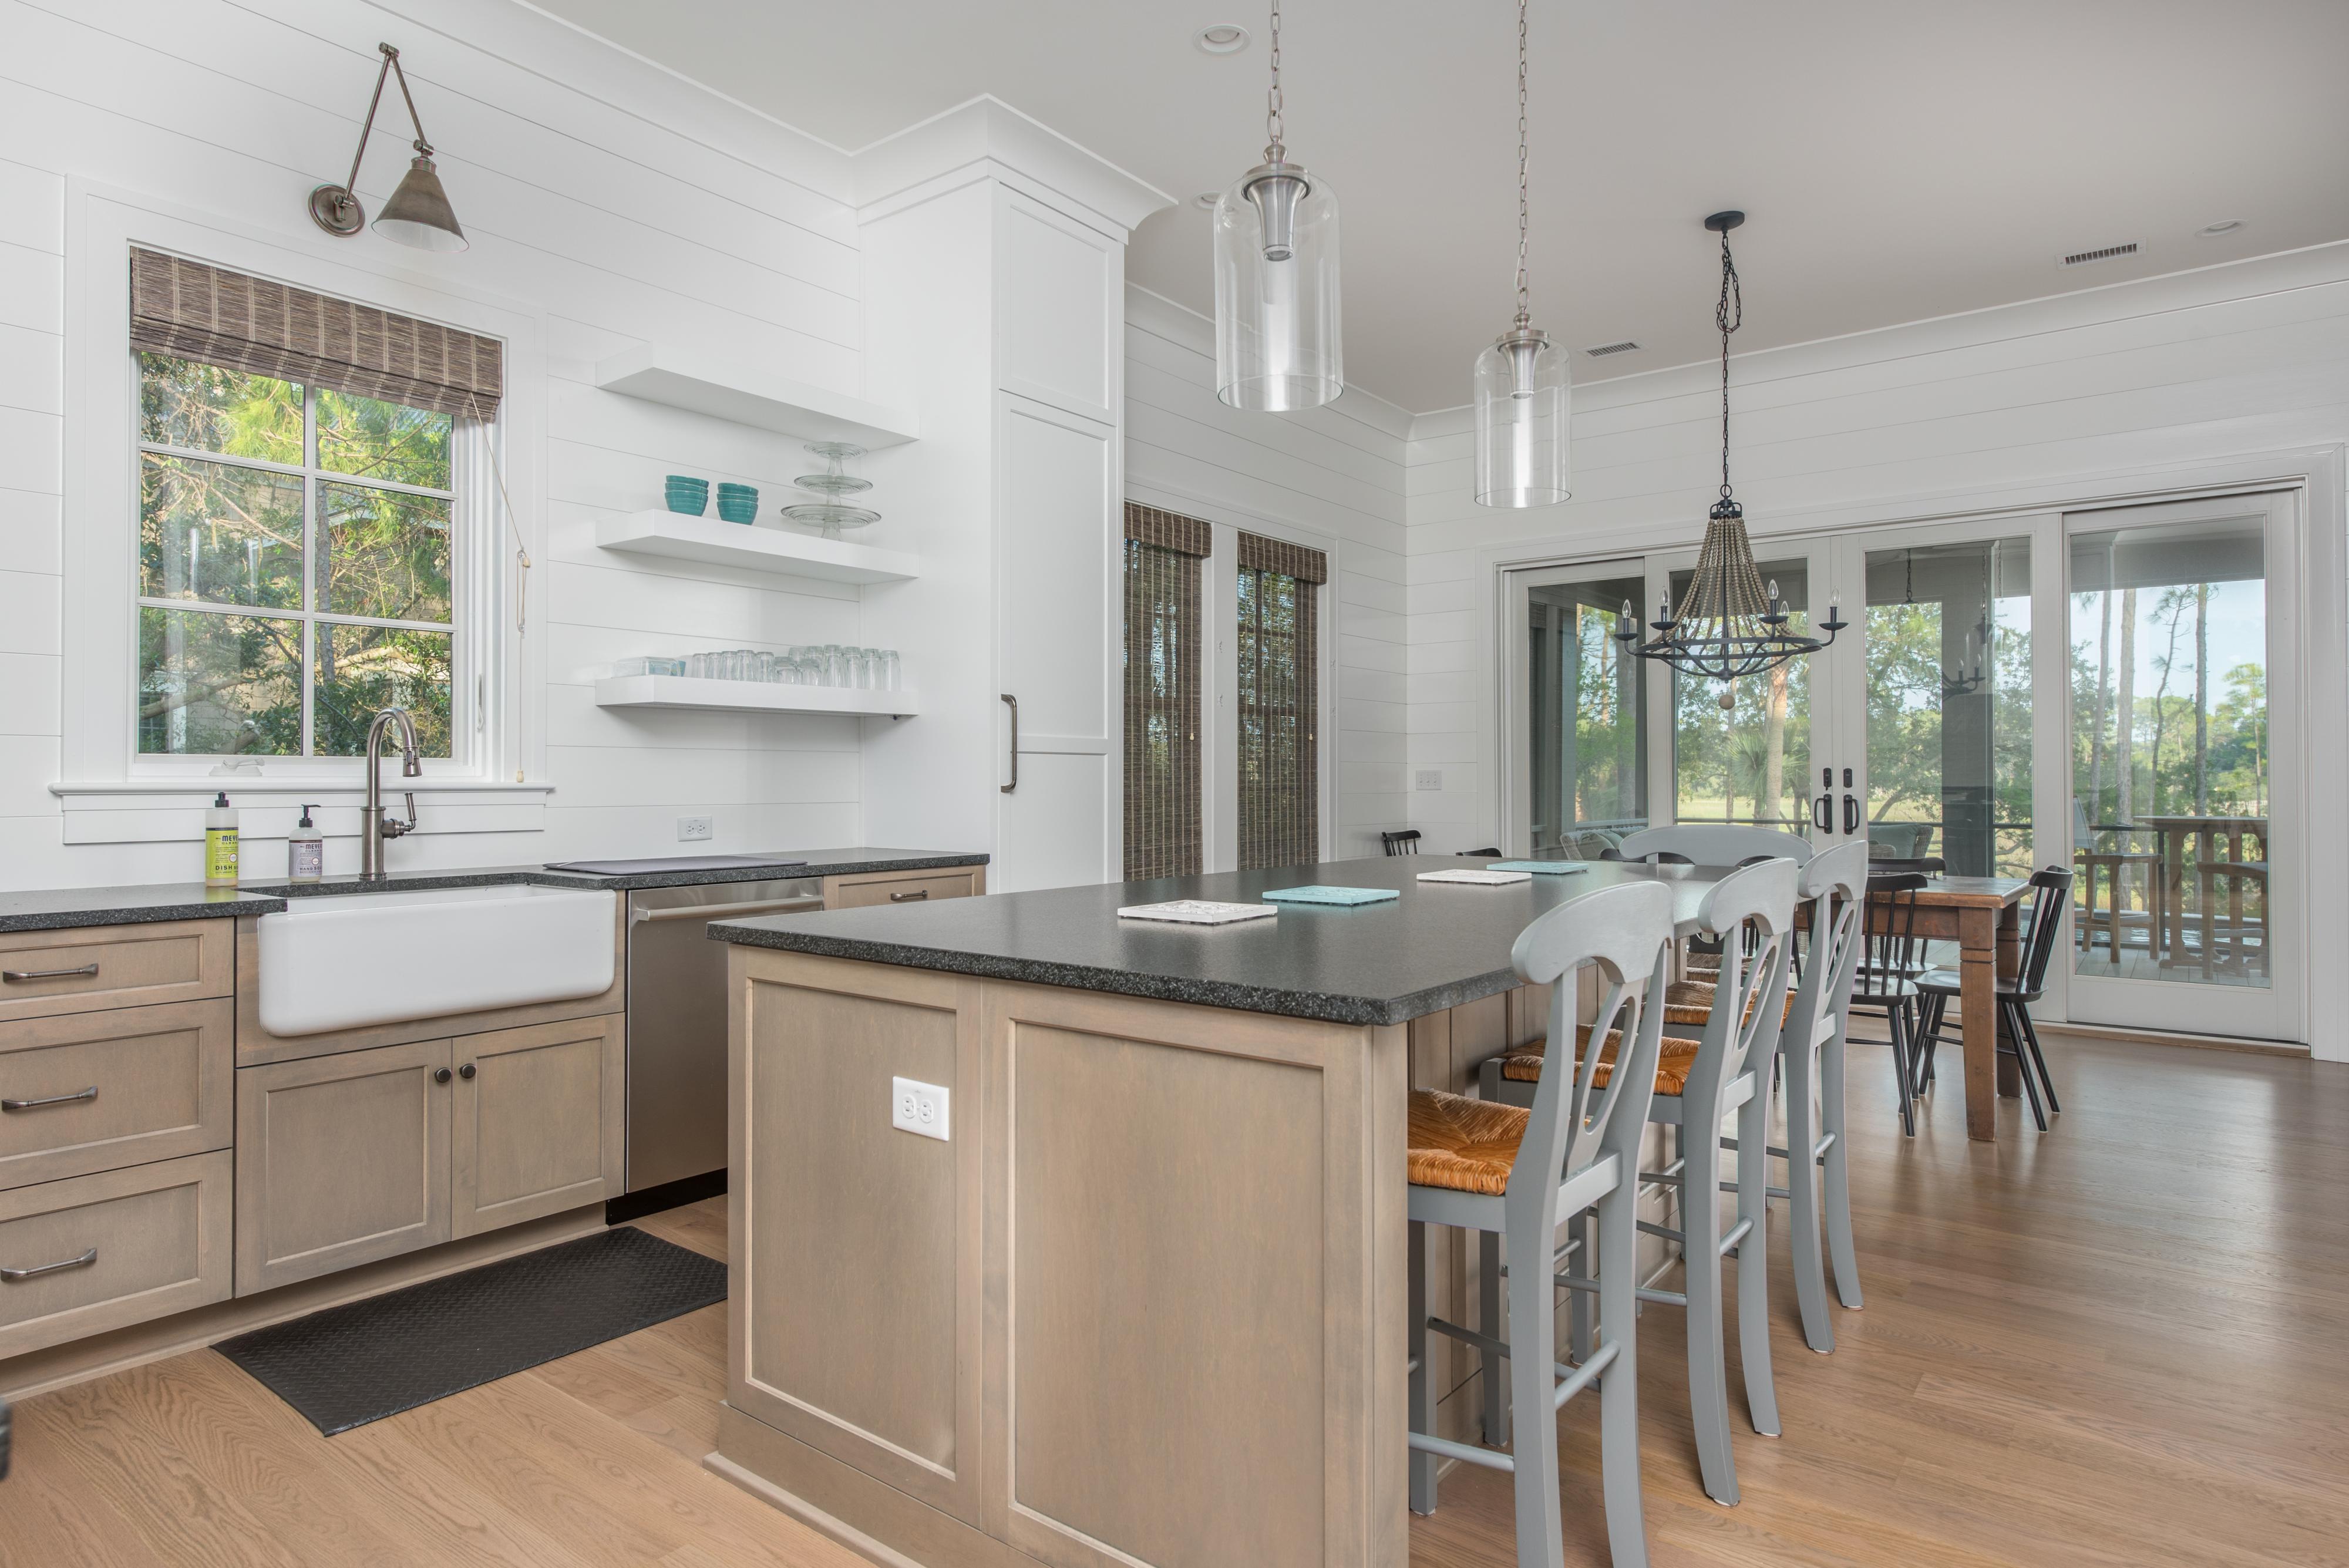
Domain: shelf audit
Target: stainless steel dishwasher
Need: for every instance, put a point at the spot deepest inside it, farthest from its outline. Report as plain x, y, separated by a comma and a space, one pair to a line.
677, 1020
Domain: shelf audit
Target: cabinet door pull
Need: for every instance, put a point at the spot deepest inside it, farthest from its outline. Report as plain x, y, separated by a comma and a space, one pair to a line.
84, 1262
908, 898
18, 976
88, 1093
466, 1071
1013, 703
441, 1075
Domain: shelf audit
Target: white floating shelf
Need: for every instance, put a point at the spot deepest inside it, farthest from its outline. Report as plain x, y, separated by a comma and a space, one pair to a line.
749, 396
749, 697
717, 543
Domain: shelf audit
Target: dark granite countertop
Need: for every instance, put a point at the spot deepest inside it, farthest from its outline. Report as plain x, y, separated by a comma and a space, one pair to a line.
819, 863
1434, 947
64, 908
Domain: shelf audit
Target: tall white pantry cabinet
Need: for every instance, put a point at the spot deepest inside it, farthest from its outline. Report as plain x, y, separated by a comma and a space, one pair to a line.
994, 291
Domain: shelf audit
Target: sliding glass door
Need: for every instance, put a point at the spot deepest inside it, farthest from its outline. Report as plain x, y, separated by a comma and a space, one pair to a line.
1581, 722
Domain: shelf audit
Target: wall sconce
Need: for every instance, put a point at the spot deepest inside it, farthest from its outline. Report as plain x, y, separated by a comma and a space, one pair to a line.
419, 213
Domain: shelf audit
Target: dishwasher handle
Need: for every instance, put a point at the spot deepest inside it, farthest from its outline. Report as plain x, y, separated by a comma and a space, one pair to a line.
716, 911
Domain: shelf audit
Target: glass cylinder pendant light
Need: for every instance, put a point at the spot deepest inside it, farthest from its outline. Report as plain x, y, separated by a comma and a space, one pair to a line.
1277, 340
1522, 396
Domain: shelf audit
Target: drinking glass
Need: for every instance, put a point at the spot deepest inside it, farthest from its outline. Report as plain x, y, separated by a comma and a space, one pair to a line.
892, 675
698, 666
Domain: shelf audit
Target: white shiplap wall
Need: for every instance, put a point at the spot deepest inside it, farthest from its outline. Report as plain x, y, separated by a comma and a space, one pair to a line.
615, 203
2049, 402
1332, 477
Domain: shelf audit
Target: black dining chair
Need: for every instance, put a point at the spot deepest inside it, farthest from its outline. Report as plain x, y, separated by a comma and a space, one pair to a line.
1890, 968
2052, 894
1402, 841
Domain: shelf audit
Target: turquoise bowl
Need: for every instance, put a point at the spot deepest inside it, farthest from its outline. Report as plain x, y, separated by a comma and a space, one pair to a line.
737, 503
688, 494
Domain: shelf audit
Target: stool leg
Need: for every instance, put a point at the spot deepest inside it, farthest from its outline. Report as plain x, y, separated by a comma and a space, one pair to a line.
1618, 1389
1837, 1188
1708, 1355
1422, 1378
1803, 1202
1753, 1258
1489, 1323
1533, 1330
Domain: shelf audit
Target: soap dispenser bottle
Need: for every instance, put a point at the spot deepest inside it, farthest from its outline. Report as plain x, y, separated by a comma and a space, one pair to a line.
306, 850
220, 844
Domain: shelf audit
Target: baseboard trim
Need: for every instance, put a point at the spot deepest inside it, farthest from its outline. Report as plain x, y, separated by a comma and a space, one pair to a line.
2169, 1037
78, 1361
806, 1512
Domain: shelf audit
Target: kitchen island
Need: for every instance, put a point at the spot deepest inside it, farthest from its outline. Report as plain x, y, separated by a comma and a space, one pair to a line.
1145, 1301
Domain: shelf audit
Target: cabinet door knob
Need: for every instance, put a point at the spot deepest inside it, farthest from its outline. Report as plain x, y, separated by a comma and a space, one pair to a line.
441, 1075
466, 1071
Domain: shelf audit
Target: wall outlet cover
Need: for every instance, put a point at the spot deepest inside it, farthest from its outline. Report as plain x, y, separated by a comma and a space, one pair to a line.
1430, 778
693, 829
919, 1108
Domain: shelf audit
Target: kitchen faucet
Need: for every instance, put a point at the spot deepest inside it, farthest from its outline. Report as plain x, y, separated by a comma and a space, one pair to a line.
376, 824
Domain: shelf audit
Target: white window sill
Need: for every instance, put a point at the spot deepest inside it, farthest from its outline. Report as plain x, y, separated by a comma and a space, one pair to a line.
352, 783
167, 810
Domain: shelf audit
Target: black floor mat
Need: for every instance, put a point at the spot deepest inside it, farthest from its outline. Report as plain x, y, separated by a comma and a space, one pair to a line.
350, 1365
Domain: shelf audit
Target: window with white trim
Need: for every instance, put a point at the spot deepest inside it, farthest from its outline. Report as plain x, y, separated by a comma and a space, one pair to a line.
299, 564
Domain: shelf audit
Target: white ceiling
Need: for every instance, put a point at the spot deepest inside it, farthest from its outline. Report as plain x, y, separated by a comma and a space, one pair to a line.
1898, 161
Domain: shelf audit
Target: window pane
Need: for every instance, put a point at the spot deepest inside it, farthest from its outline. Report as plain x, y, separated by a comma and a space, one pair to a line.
1589, 719
2169, 753
363, 668
214, 531
1752, 761
1278, 811
1948, 705
383, 440
382, 553
184, 403
211, 684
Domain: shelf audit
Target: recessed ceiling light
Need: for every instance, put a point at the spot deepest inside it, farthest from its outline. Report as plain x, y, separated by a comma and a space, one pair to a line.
1223, 39
2223, 226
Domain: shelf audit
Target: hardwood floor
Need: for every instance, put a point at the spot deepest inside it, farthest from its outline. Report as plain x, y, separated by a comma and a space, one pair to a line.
2125, 1342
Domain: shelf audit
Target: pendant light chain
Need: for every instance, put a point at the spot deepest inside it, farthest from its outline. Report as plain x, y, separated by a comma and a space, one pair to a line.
1729, 315
1525, 311
1274, 151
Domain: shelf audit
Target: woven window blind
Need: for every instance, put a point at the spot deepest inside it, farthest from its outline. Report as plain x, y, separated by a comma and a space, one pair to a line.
192, 311
1279, 706
1164, 650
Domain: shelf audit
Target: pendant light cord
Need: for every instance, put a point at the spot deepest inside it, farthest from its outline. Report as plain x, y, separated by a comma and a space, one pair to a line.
1525, 310
1274, 151
1729, 315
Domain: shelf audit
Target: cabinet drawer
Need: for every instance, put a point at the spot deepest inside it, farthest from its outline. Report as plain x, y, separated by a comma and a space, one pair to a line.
93, 1091
155, 1238
44, 973
857, 892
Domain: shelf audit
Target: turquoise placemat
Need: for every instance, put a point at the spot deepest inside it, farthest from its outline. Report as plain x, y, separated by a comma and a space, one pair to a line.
1331, 895
1538, 867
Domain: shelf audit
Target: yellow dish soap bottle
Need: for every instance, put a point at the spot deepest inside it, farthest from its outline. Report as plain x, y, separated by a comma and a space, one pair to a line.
220, 844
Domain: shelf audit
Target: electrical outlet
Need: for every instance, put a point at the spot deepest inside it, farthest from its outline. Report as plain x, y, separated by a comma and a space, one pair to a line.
1431, 778
918, 1107
691, 829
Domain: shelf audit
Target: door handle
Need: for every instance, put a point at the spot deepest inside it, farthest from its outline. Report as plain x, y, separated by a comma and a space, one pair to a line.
1013, 703
908, 898
1851, 813
88, 1093
730, 911
441, 1074
16, 976
1823, 814
84, 1262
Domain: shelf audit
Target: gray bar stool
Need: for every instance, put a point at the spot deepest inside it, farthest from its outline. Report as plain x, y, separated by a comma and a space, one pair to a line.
1516, 1174
1697, 1085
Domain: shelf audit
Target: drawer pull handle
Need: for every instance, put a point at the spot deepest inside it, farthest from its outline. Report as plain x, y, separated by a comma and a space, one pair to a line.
84, 1262
88, 1093
908, 898
17, 976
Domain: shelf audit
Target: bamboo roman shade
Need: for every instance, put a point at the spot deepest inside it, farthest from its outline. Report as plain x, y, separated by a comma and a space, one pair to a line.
192, 311
1279, 703
1164, 638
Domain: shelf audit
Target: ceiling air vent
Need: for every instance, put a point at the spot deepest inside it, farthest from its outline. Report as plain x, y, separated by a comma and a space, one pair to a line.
1603, 349
2102, 253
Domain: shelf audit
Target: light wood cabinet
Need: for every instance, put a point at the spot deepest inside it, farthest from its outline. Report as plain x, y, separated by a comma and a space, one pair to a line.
538, 1122
85, 1092
98, 1252
42, 974
340, 1160
869, 888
